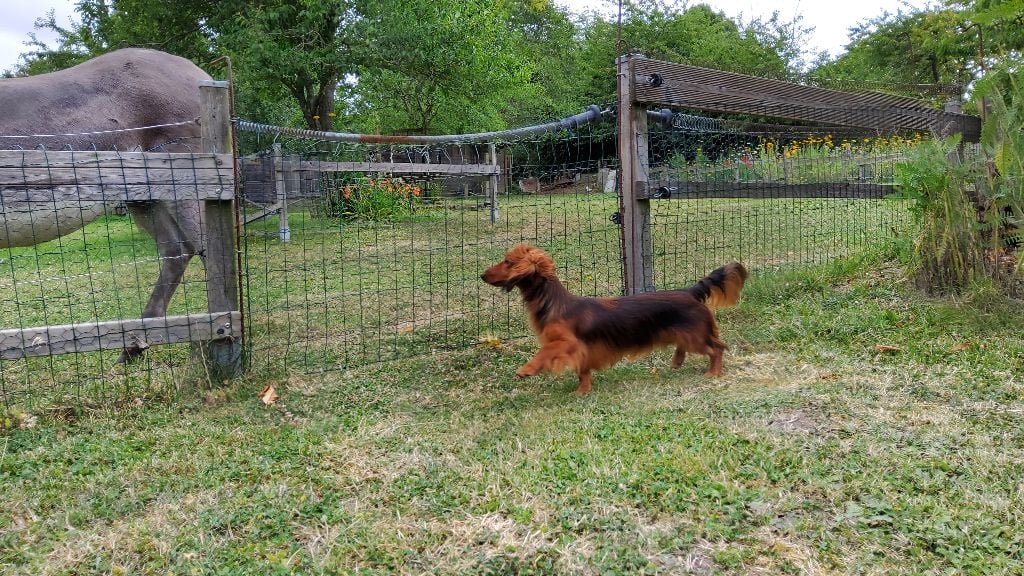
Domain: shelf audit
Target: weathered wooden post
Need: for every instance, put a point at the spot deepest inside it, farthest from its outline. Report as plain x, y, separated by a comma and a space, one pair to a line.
281, 182
293, 189
223, 355
493, 182
634, 205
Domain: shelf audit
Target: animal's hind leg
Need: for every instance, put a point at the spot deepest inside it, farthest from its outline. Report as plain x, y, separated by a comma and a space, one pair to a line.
715, 353
585, 383
176, 230
678, 357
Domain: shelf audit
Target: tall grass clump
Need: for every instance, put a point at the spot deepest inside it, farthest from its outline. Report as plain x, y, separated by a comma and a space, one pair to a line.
968, 200
1002, 144
947, 254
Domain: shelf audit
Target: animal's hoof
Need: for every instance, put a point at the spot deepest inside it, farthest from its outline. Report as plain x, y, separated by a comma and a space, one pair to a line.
129, 355
713, 373
581, 392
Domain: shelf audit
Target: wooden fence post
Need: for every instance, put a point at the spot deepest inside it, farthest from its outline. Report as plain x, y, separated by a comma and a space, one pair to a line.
493, 183
281, 173
224, 356
293, 189
635, 208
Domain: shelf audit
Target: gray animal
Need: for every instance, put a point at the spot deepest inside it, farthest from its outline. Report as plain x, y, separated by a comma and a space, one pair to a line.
128, 88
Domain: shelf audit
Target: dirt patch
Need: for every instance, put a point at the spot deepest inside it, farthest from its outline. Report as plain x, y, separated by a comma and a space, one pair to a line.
800, 421
697, 560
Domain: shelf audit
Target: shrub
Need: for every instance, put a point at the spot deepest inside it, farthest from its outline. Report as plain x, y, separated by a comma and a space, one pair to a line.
377, 200
969, 201
947, 254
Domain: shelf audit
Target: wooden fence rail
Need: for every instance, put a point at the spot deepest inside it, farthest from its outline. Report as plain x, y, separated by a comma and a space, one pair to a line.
117, 334
50, 181
28, 176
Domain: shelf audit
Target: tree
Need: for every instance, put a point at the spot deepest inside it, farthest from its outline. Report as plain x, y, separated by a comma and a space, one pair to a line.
438, 66
306, 46
106, 25
951, 44
302, 46
697, 35
550, 41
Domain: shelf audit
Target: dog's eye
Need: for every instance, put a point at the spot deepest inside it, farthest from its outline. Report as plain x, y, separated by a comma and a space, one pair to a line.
507, 263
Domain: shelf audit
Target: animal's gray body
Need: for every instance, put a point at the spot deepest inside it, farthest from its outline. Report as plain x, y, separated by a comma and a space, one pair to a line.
127, 88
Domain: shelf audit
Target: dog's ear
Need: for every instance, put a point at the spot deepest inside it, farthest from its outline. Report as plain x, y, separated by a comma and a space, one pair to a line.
526, 261
544, 265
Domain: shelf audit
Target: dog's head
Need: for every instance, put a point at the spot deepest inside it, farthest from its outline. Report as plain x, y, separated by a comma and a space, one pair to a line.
523, 264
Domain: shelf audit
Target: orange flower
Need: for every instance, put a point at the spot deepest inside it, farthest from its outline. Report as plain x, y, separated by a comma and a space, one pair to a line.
416, 191
347, 192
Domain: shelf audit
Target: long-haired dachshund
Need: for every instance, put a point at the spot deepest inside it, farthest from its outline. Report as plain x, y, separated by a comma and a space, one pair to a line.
586, 334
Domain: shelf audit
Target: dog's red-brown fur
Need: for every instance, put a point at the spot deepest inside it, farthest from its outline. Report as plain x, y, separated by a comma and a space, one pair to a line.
588, 334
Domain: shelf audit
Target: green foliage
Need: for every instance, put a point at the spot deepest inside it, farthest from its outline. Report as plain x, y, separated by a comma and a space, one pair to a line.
970, 205
418, 67
953, 43
419, 79
306, 46
948, 254
810, 159
1002, 143
382, 200
697, 35
106, 25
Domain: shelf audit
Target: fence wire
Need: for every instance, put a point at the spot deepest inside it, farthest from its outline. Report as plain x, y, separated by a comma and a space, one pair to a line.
78, 261
383, 261
356, 253
773, 196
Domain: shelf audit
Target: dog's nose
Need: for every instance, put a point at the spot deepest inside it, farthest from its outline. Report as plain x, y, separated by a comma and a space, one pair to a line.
482, 276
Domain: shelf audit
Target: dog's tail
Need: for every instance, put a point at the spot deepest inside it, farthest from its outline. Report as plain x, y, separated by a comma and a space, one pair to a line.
722, 287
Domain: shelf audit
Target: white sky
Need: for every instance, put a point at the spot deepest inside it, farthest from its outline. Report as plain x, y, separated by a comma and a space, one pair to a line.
830, 19
16, 19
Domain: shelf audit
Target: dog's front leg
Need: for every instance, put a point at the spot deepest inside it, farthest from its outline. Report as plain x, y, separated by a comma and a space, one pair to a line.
585, 382
535, 366
551, 357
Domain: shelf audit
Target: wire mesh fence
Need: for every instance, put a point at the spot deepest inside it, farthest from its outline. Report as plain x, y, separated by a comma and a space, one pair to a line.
361, 251
381, 254
772, 196
92, 242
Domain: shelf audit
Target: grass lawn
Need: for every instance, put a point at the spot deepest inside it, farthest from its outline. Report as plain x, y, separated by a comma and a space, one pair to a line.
343, 294
816, 453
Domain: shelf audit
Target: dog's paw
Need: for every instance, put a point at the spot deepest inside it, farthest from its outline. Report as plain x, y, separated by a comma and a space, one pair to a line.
524, 372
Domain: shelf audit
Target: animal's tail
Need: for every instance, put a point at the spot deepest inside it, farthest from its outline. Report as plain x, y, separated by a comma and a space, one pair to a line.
722, 287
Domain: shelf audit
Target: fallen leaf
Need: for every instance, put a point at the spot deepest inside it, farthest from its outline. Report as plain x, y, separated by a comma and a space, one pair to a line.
960, 347
490, 341
405, 329
269, 395
886, 348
